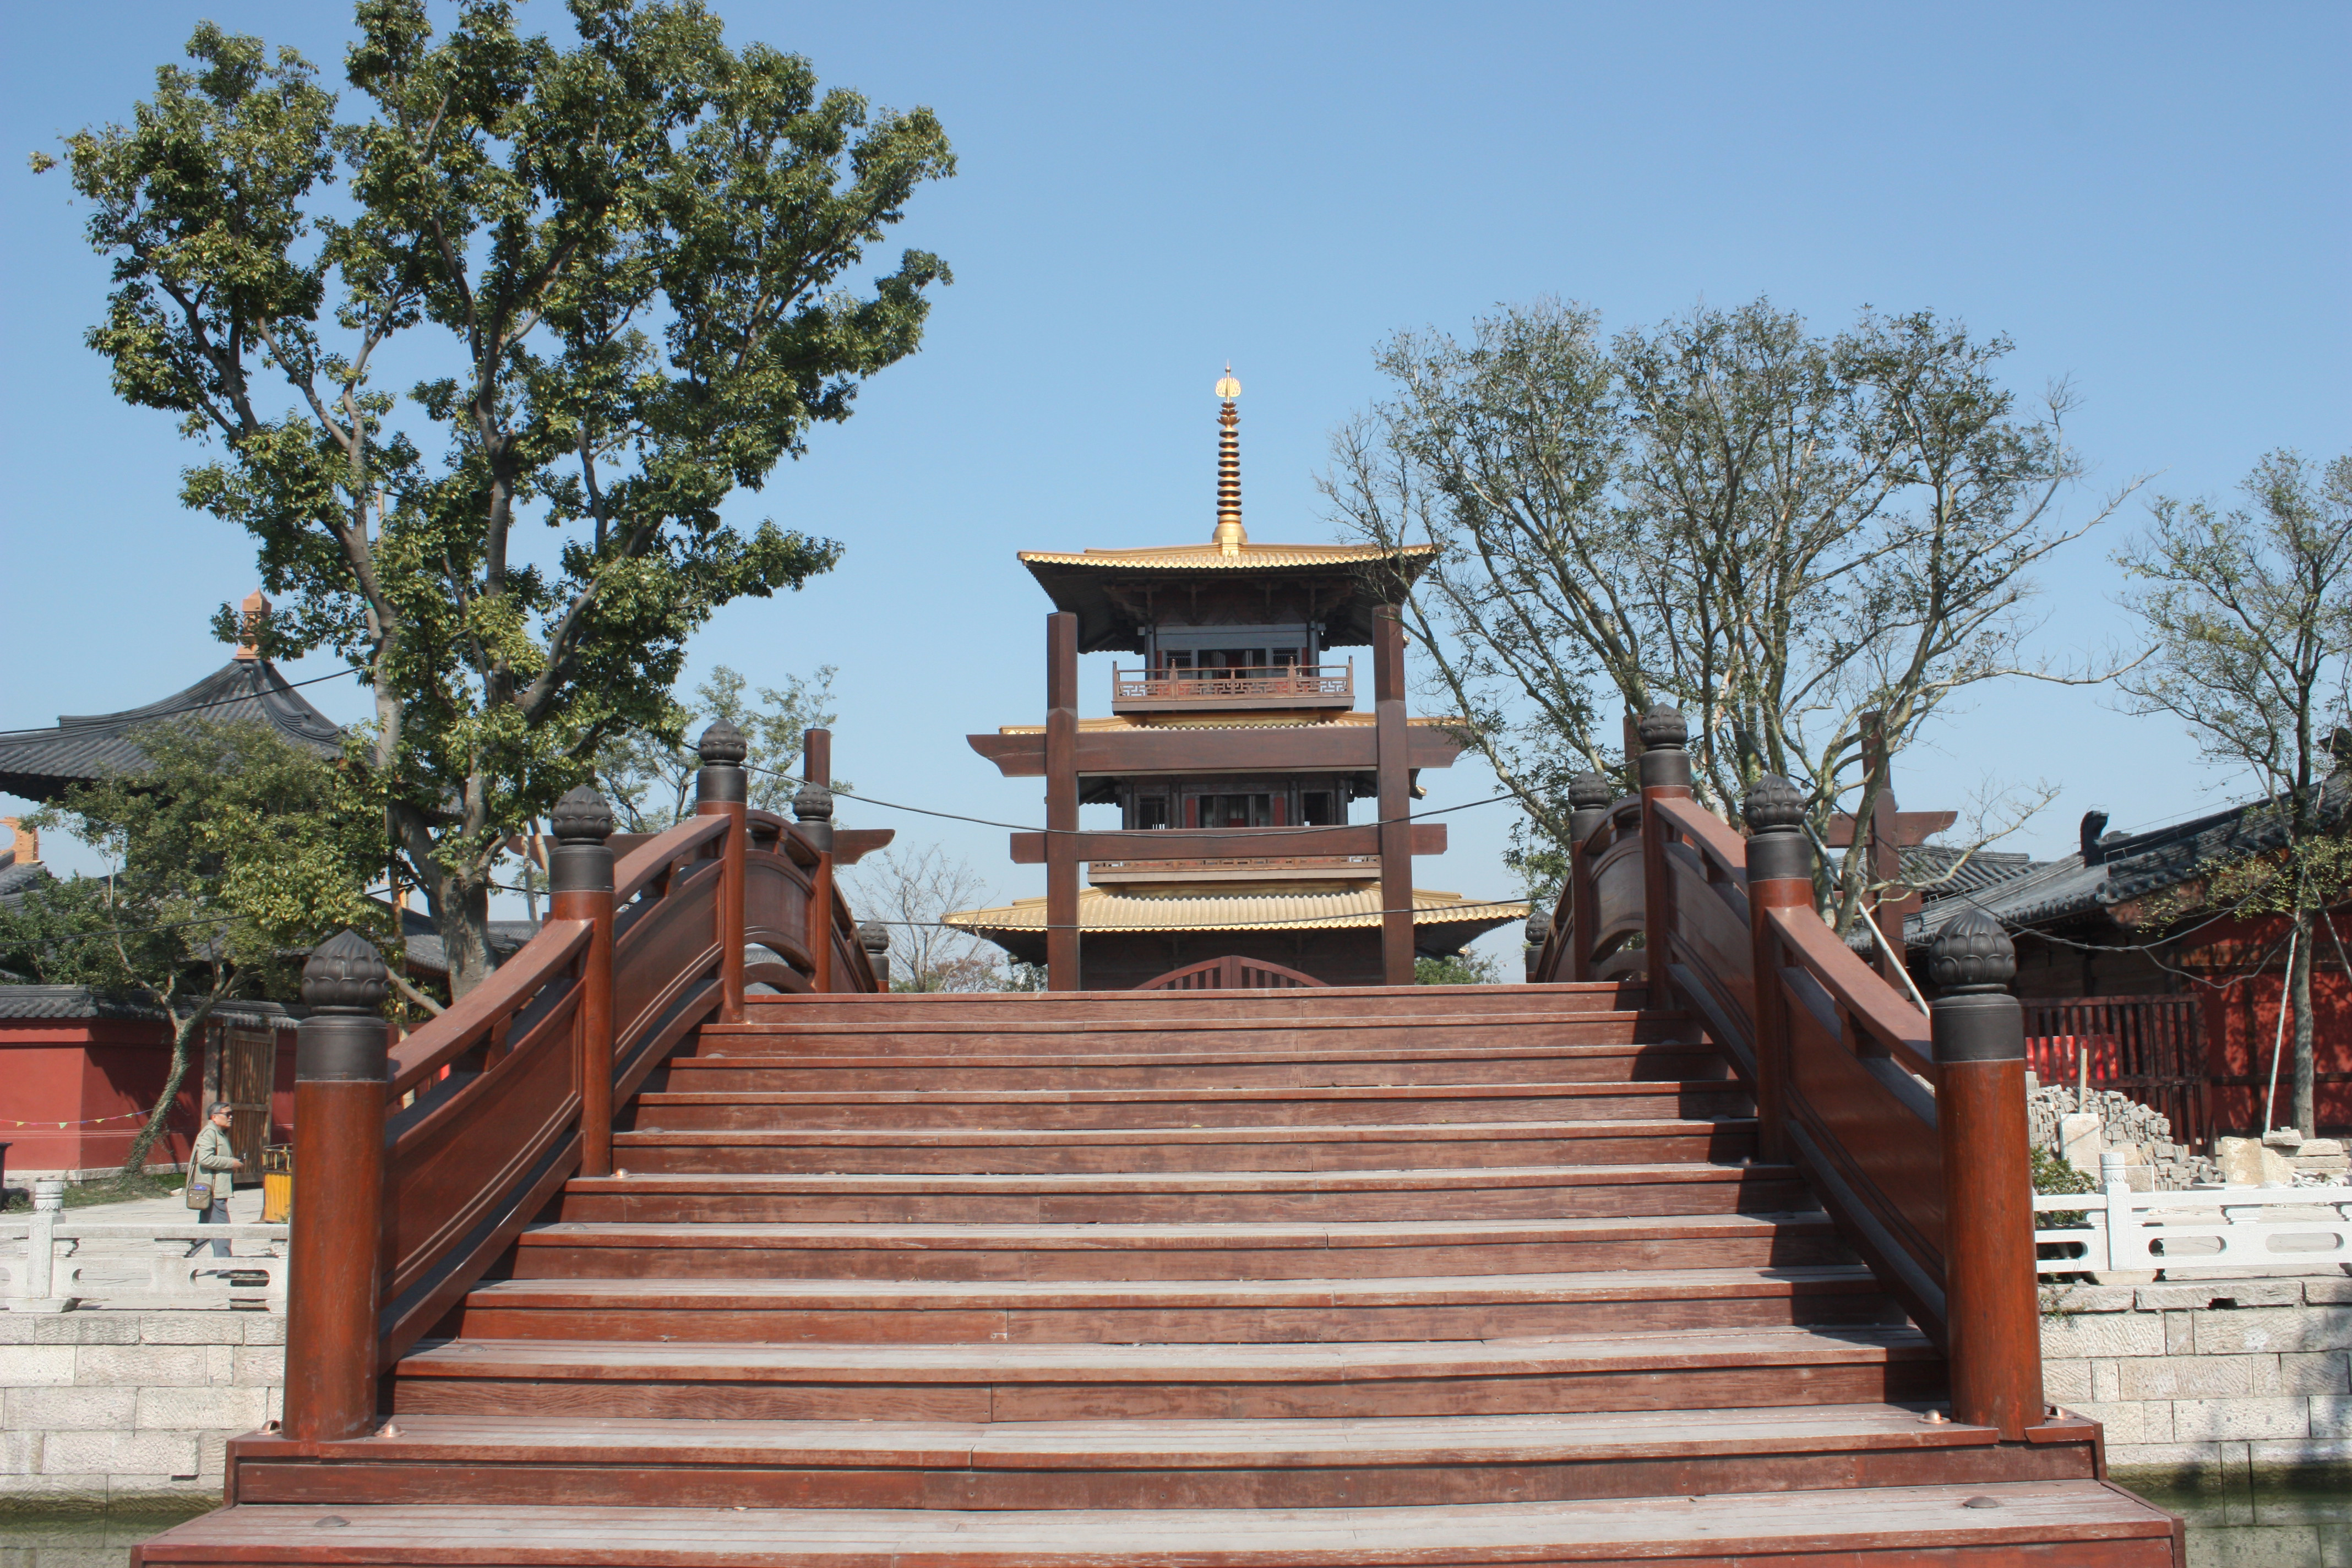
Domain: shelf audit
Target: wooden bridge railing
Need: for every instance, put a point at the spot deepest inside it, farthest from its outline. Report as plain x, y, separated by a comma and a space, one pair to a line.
419, 1164
1909, 1127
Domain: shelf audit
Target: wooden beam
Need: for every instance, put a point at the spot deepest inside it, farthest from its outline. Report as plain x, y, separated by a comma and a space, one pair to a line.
1338, 748
1393, 766
851, 844
1215, 842
1908, 826
1061, 801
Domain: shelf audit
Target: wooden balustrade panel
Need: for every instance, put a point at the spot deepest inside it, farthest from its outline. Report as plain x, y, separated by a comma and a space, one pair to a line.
464, 1168
776, 908
1864, 1116
1709, 838
661, 947
852, 970
1617, 895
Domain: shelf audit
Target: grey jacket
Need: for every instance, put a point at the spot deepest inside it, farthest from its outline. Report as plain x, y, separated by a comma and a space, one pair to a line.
214, 1154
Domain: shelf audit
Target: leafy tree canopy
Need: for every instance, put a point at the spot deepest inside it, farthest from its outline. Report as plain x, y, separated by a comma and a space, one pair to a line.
234, 853
616, 275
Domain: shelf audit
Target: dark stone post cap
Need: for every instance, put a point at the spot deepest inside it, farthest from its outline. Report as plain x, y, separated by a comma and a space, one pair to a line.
722, 776
1665, 764
874, 937
581, 862
343, 1039
812, 809
581, 816
1971, 961
1778, 849
1590, 791
345, 973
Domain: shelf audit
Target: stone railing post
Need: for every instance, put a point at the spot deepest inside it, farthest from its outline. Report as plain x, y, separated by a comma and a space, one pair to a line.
579, 886
337, 1225
1992, 1319
722, 788
1665, 775
812, 809
36, 1288
875, 938
1779, 877
1536, 934
1589, 796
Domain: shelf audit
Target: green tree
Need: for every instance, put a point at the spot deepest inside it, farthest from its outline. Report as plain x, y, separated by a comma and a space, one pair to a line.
233, 853
1463, 968
649, 774
2250, 625
622, 266
1777, 530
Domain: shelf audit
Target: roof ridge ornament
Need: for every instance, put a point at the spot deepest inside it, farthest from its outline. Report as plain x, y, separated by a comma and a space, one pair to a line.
1230, 535
251, 613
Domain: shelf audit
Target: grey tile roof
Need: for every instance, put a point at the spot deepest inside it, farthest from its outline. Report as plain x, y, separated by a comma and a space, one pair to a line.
1940, 872
70, 1001
40, 764
2135, 865
423, 940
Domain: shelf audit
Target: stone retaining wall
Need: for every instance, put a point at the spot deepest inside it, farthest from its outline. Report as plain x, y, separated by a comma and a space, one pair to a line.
2202, 1383
124, 1406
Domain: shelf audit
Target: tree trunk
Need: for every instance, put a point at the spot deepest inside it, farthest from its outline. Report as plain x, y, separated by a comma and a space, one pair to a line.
2298, 985
462, 915
183, 1033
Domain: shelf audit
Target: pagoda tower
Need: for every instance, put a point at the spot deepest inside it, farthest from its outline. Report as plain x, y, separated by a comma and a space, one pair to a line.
1237, 757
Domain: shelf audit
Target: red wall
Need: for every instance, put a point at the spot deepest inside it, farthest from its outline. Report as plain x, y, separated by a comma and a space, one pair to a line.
73, 1070
2242, 1021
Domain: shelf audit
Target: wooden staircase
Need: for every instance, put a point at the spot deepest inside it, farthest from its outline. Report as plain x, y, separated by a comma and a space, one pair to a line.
1432, 1276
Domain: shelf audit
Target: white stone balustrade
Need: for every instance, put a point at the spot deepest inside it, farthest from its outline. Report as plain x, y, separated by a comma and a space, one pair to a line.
50, 1261
2206, 1231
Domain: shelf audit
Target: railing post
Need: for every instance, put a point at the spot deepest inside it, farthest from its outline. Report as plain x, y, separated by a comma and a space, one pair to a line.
1536, 937
1392, 775
1589, 796
722, 788
812, 807
1993, 1323
580, 888
1779, 877
875, 938
338, 1225
1063, 948
1665, 775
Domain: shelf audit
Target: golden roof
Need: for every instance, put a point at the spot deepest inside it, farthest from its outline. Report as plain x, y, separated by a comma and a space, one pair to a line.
1214, 558
1101, 910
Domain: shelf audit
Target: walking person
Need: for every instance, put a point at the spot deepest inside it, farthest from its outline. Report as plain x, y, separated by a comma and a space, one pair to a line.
213, 1161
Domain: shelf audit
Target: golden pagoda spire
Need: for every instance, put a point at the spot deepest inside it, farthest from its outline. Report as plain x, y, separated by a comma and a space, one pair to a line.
1230, 535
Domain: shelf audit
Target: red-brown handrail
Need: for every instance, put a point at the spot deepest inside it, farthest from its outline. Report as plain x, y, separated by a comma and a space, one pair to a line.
424, 1160
1908, 1126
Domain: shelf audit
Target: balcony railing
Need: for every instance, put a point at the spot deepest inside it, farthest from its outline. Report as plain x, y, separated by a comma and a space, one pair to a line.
1247, 686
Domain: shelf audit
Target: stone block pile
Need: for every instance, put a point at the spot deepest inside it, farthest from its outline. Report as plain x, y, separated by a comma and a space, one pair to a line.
2079, 1126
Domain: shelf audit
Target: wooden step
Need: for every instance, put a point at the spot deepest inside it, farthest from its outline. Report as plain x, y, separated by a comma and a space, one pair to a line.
915, 1110
1380, 1462
739, 1065
2079, 1523
1527, 1191
1084, 1039
1163, 1312
1336, 1250
1665, 1371
1438, 1002
1018, 1150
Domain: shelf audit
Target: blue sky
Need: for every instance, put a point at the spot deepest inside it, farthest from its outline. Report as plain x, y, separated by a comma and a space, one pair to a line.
2150, 199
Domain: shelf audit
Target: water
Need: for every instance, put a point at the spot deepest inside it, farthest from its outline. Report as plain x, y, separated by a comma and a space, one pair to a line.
2274, 1526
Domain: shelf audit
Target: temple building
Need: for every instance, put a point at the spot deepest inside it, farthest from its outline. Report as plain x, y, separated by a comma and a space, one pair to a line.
1234, 752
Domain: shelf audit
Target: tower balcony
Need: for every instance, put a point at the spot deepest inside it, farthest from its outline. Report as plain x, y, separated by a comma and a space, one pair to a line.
1146, 691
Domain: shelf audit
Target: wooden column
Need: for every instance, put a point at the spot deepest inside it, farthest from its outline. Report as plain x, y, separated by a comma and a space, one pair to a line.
1779, 877
580, 888
1991, 1317
1062, 949
1665, 774
334, 1256
722, 788
813, 806
1395, 780
1587, 798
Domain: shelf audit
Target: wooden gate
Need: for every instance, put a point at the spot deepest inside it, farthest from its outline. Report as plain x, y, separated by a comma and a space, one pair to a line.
2149, 1047
1230, 972
248, 1068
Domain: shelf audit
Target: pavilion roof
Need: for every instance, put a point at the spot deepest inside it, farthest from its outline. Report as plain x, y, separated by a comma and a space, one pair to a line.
1101, 909
1083, 582
39, 765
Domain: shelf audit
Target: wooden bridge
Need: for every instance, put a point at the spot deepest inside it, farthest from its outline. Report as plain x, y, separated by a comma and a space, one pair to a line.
1706, 1248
